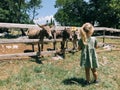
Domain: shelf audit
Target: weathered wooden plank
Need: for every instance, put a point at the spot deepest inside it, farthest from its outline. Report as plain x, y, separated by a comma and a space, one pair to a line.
112, 37
96, 28
17, 25
106, 29
52, 40
9, 41
5, 56
15, 41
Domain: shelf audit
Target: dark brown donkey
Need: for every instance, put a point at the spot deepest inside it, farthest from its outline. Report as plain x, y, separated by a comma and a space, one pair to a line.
40, 33
66, 35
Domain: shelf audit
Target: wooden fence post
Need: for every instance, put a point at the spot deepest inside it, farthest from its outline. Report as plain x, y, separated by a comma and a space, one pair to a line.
104, 36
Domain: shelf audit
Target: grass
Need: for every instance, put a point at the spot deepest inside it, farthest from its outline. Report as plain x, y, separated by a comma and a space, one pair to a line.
59, 74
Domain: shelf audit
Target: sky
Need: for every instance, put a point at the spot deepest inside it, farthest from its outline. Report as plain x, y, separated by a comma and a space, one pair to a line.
46, 12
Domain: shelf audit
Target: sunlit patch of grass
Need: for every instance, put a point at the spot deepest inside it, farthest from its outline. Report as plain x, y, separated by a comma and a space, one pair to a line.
4, 82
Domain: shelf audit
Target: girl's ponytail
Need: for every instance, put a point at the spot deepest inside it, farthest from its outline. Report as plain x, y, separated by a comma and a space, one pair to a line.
83, 36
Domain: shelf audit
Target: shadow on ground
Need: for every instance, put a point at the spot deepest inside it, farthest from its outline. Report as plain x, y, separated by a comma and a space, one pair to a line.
36, 58
74, 81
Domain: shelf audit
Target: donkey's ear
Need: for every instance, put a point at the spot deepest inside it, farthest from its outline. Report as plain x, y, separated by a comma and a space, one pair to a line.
38, 25
51, 26
41, 26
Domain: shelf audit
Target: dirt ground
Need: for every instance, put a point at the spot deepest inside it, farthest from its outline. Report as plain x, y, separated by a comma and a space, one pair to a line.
13, 48
19, 48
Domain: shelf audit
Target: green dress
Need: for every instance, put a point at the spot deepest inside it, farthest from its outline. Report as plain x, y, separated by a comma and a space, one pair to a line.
88, 54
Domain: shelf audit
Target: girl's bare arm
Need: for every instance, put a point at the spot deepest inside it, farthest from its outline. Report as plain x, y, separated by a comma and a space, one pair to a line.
96, 46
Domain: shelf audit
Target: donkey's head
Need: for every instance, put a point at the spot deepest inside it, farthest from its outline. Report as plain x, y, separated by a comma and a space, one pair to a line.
76, 33
67, 34
47, 31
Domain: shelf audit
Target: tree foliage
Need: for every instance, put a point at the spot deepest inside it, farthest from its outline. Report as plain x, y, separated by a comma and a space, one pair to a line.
34, 5
18, 11
76, 12
68, 10
106, 13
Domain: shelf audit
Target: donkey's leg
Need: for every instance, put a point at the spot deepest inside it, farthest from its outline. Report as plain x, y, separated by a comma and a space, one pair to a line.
73, 42
62, 44
39, 49
42, 45
54, 45
33, 47
66, 42
63, 48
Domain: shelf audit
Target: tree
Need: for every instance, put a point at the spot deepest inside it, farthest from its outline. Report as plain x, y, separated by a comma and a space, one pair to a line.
17, 11
70, 12
33, 6
105, 12
76, 12
51, 22
115, 5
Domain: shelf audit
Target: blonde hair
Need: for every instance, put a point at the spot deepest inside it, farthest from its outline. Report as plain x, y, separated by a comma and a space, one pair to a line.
86, 31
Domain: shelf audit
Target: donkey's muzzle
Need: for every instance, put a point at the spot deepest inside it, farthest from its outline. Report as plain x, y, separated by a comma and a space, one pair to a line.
70, 39
50, 37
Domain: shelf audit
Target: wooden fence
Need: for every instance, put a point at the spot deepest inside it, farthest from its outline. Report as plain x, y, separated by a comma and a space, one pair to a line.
33, 41
25, 41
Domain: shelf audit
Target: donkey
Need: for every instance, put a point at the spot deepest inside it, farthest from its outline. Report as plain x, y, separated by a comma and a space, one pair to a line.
66, 35
40, 34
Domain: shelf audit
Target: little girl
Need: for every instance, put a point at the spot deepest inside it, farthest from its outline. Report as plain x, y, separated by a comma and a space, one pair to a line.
87, 45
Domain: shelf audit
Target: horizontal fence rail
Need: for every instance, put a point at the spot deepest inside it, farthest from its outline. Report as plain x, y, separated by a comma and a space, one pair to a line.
8, 56
16, 25
112, 37
15, 41
9, 41
106, 29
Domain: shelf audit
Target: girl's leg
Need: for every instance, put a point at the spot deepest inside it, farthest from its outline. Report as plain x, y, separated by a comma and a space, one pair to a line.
87, 72
95, 74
